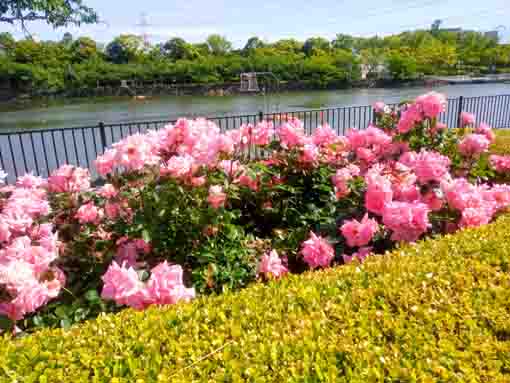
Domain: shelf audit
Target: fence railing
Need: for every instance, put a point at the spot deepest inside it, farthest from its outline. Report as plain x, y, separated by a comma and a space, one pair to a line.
42, 151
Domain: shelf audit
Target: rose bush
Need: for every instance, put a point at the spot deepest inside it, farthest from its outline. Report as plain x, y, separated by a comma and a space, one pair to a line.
189, 209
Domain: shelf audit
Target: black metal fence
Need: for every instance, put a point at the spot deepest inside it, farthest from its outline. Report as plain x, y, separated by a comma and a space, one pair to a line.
42, 151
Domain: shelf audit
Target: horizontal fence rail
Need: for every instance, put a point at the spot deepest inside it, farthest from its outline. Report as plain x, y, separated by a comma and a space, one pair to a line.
42, 151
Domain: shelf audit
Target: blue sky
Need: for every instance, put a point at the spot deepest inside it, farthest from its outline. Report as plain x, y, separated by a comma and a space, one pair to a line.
271, 20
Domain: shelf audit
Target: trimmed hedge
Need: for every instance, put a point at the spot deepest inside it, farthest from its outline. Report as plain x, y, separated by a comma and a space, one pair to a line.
435, 311
502, 144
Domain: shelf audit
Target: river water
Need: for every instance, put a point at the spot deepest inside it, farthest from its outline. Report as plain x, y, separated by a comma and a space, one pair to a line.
88, 112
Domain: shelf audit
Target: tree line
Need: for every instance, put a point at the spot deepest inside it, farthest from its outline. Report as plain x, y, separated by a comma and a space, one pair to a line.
82, 63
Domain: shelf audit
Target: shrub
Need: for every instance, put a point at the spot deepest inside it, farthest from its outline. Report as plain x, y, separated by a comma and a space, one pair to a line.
434, 311
188, 208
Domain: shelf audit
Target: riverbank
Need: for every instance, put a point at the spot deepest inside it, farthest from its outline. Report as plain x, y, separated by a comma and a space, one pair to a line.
14, 99
65, 113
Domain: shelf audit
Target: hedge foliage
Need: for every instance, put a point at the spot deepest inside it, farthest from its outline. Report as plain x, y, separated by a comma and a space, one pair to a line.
502, 144
437, 311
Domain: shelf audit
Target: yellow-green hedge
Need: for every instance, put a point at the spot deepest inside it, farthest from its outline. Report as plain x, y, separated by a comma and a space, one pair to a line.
502, 144
438, 311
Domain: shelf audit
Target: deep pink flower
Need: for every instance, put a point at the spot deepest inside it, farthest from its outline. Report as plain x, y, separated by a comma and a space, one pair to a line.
310, 154
359, 233
408, 221
317, 252
473, 217
379, 193
262, 133
341, 178
431, 104
271, 264
291, 134
216, 196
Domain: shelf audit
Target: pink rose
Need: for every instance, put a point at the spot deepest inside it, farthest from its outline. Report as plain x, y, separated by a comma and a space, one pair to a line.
317, 252
271, 264
216, 196
359, 233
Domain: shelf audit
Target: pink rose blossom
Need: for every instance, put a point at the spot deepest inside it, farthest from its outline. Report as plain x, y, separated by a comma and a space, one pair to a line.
379, 193
106, 162
500, 163
359, 233
165, 286
216, 196
431, 104
467, 119
474, 144
487, 131
291, 134
122, 285
317, 252
108, 191
408, 221
271, 264
379, 107
428, 166
70, 179
324, 135
89, 213
360, 255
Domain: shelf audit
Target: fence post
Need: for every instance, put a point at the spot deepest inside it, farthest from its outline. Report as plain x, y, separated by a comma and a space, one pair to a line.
261, 116
102, 134
461, 102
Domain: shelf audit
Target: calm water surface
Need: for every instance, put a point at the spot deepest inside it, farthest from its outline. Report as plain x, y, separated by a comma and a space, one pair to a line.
91, 111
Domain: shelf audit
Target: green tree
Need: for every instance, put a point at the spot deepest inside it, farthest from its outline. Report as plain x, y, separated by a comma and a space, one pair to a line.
342, 41
84, 48
288, 46
314, 45
178, 49
56, 13
124, 49
219, 45
252, 44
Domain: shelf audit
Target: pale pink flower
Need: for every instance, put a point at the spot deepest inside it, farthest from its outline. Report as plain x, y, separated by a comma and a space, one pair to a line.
467, 119
108, 191
29, 181
473, 217
408, 221
487, 131
474, 144
359, 233
379, 107
317, 252
271, 264
179, 166
341, 178
89, 213
427, 165
263, 133
122, 285
165, 285
324, 135
216, 196
500, 163
106, 162
360, 255
68, 178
